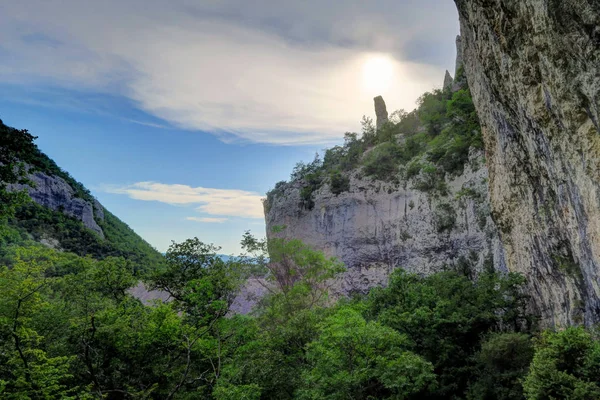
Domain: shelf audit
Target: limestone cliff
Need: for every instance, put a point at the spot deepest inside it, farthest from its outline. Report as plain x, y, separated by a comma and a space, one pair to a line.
377, 226
534, 70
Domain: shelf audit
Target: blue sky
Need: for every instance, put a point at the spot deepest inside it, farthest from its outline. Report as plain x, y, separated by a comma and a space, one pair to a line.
180, 115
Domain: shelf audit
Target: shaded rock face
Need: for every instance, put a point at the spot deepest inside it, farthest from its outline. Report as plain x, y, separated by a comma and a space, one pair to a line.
377, 226
459, 56
460, 79
53, 192
534, 71
380, 111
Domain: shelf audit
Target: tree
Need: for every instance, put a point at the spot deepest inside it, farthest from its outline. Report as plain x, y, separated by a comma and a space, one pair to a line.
356, 359
26, 369
502, 363
16, 147
566, 365
200, 282
300, 277
445, 316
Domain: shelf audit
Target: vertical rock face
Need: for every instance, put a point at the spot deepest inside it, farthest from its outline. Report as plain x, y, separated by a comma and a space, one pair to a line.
53, 192
460, 80
459, 56
377, 226
534, 71
380, 111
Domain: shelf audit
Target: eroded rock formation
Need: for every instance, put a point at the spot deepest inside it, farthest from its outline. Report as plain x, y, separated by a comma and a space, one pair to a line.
380, 111
448, 81
55, 193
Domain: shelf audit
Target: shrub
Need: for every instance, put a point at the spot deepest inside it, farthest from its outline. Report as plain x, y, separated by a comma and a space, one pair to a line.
444, 217
502, 362
338, 182
382, 162
429, 179
566, 365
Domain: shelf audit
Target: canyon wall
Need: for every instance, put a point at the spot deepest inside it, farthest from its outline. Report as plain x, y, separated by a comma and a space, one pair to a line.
534, 71
377, 226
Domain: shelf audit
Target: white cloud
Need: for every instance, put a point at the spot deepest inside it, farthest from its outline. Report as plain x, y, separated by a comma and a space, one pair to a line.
207, 220
220, 202
272, 72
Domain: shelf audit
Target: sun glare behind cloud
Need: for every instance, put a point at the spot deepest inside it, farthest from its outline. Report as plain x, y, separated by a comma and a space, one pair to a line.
378, 74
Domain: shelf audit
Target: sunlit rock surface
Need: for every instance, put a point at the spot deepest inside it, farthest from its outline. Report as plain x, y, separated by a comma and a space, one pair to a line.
534, 71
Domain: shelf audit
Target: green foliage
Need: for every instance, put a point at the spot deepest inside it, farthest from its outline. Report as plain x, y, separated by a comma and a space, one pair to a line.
566, 365
445, 316
311, 177
427, 178
439, 133
27, 219
502, 363
120, 240
195, 276
70, 329
299, 275
382, 161
432, 111
13, 144
28, 370
338, 182
356, 359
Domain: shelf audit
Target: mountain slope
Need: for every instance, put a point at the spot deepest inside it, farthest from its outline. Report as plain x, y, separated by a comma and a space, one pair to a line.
63, 214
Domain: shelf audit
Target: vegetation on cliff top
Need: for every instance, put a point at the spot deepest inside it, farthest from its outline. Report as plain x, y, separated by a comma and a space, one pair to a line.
424, 146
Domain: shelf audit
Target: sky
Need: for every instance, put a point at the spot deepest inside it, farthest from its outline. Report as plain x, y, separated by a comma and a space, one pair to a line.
179, 116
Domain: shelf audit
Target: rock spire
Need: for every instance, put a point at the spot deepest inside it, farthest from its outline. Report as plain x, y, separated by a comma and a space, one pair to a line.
380, 111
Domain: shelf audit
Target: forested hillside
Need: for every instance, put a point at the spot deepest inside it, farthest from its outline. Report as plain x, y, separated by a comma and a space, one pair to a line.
32, 221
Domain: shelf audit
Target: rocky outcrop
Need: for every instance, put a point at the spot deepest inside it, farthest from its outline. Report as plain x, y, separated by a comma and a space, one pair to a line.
534, 71
376, 226
448, 81
380, 111
459, 57
55, 193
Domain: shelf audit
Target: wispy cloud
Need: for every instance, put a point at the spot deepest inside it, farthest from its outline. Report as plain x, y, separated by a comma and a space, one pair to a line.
271, 72
220, 202
207, 220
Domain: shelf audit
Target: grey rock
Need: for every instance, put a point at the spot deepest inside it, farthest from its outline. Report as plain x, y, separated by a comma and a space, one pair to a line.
380, 111
98, 210
460, 79
377, 226
147, 296
448, 81
533, 70
459, 56
55, 193
249, 295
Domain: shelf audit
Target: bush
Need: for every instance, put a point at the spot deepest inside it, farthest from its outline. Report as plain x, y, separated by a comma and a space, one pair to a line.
429, 178
566, 365
445, 217
502, 362
382, 162
338, 182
